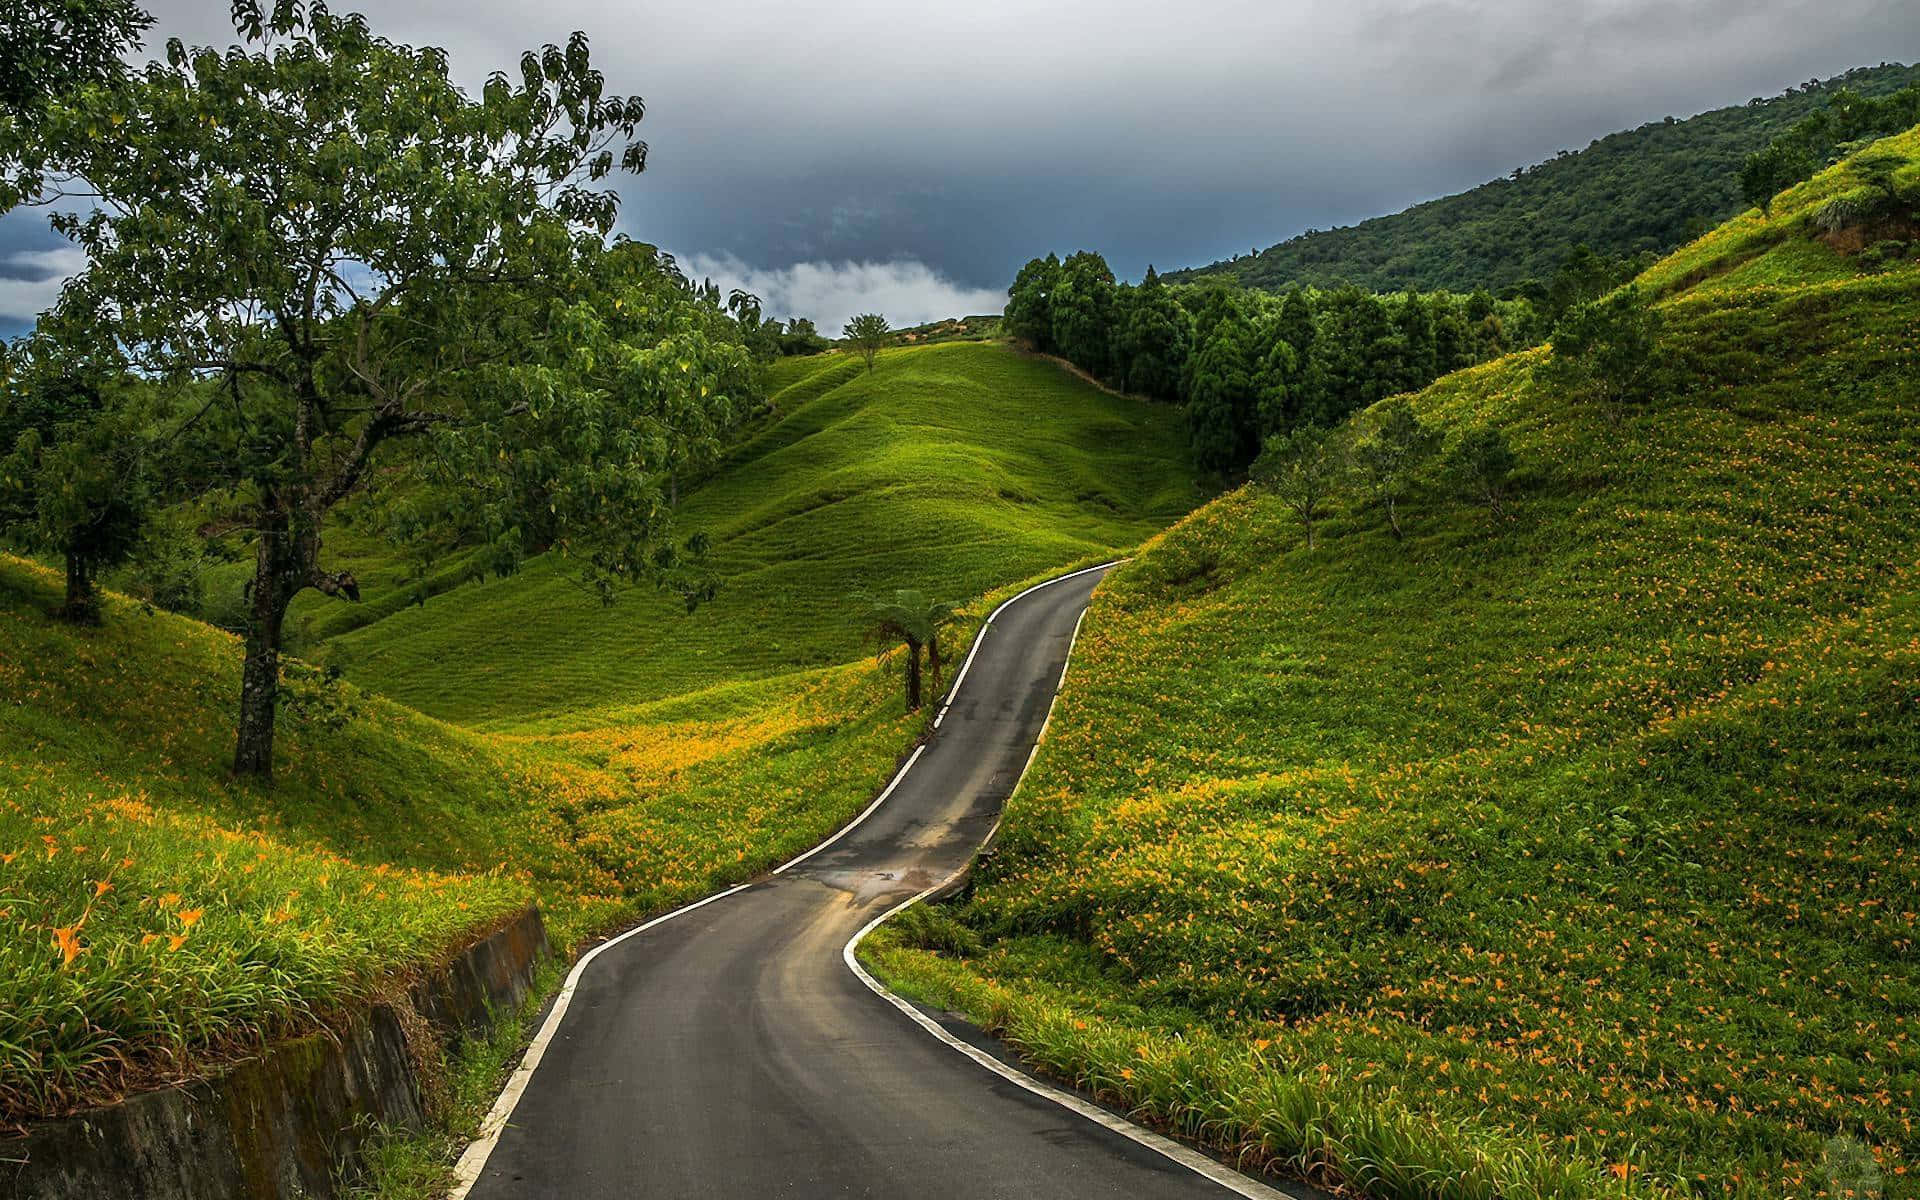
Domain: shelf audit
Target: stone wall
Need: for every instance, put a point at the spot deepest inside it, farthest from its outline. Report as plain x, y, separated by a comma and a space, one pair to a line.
290, 1123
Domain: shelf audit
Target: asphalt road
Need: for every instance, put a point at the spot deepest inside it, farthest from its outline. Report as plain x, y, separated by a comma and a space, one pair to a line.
730, 1053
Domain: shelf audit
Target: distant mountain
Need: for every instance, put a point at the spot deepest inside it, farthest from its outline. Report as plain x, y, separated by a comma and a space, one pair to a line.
1647, 189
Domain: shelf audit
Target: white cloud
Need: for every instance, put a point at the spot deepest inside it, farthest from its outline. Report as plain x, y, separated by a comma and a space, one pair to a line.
906, 292
30, 280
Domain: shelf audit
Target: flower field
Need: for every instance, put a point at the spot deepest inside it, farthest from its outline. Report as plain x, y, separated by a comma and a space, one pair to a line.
1566, 853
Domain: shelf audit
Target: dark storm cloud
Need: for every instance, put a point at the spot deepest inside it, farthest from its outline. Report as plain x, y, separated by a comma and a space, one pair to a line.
968, 137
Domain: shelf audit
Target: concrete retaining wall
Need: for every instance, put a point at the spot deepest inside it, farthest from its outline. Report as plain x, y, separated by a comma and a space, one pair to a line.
290, 1123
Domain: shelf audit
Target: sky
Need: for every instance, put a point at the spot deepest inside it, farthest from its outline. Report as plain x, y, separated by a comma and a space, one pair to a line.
861, 155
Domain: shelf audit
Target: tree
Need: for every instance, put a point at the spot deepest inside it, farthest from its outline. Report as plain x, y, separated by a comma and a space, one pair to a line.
1220, 402
1483, 463
1082, 304
348, 256
73, 464
1389, 459
868, 332
1275, 382
1419, 365
1610, 348
1151, 346
1029, 314
1300, 469
910, 618
1771, 170
52, 51
1296, 326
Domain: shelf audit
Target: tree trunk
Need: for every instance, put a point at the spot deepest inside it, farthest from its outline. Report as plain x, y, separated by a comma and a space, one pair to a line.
260, 674
1393, 517
82, 605
933, 658
1311, 542
913, 676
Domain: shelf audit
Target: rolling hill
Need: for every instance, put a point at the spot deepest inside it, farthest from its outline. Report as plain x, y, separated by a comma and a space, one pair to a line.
950, 468
1566, 853
1646, 189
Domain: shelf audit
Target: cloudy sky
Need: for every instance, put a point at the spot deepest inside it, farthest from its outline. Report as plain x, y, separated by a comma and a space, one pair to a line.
855, 154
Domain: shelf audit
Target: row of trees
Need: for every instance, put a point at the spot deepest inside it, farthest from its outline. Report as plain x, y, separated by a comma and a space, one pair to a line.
1823, 136
1606, 352
1248, 365
321, 275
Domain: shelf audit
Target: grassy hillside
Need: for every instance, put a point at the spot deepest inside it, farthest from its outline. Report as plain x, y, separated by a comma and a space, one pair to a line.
1571, 853
950, 468
1647, 189
205, 916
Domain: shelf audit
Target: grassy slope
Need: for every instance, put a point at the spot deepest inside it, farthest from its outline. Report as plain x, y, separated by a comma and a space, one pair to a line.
389, 841
1562, 855
1638, 190
950, 468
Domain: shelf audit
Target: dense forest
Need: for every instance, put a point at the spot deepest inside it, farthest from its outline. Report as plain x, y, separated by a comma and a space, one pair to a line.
1645, 190
1247, 365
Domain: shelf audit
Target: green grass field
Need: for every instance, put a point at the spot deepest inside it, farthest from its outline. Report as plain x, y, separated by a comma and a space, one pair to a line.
952, 469
157, 917
1567, 854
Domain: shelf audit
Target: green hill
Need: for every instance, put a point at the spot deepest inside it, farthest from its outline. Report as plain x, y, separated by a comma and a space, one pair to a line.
1568, 853
951, 468
1646, 189
158, 917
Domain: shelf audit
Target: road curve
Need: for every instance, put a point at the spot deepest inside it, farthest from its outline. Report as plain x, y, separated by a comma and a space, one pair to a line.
729, 1054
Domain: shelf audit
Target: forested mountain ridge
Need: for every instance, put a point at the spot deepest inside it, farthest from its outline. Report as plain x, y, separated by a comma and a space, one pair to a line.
1645, 189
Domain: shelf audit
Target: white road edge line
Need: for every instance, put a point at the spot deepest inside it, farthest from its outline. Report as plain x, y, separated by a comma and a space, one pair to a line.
953, 689
1185, 1156
466, 1172
473, 1160
1233, 1181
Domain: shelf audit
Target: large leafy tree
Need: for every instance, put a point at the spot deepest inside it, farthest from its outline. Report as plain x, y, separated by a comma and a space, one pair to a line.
1029, 314
349, 255
1082, 305
1152, 343
1220, 386
53, 51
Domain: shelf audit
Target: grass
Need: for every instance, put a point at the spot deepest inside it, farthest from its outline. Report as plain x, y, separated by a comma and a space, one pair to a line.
950, 468
158, 918
1563, 855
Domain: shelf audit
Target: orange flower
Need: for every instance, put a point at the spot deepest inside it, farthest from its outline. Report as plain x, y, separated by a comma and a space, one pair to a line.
67, 941
191, 916
1621, 1170
176, 940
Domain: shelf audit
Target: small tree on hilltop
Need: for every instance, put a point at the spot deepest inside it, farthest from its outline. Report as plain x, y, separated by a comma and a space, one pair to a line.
1610, 348
868, 332
1483, 463
909, 618
1771, 170
1388, 460
1300, 469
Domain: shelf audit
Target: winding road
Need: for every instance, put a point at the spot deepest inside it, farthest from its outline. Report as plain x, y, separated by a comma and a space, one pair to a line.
730, 1051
